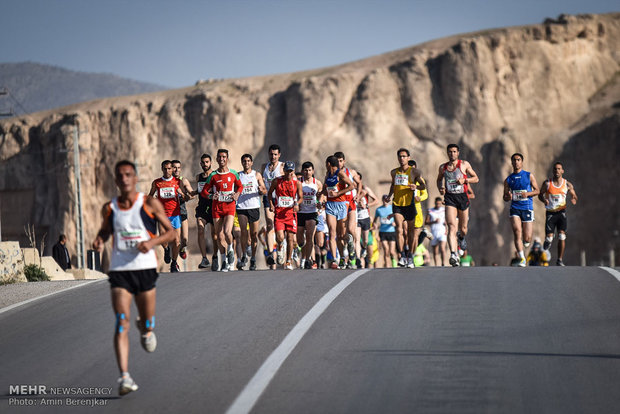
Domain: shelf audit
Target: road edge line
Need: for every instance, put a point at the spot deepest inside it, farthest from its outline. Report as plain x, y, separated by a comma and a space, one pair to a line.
250, 394
25, 302
611, 271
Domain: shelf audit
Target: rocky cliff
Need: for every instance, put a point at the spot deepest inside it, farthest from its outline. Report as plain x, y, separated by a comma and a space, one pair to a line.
550, 91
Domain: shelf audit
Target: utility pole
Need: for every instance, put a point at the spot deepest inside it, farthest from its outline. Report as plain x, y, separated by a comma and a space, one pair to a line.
78, 199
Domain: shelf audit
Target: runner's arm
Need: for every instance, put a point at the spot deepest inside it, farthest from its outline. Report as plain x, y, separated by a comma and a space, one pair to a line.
507, 192
440, 184
392, 175
349, 185
535, 190
571, 191
167, 233
104, 231
418, 180
189, 191
239, 186
153, 189
300, 195
472, 177
272, 188
371, 196
543, 192
261, 184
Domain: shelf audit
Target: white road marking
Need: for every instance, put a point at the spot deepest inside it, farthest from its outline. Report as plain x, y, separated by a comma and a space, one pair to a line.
612, 272
16, 305
246, 400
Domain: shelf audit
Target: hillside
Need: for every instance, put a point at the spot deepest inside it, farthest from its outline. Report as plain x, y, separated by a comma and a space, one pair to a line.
39, 87
549, 91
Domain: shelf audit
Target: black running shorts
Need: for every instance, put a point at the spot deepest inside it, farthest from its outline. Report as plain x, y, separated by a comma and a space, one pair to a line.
253, 214
387, 236
460, 201
203, 210
555, 220
133, 281
364, 223
303, 217
408, 212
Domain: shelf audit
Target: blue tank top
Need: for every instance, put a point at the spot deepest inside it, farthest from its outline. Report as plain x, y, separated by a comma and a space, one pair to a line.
519, 183
332, 180
386, 224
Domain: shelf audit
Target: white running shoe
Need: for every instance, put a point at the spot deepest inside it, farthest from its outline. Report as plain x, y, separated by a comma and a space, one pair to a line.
149, 342
280, 256
288, 266
126, 385
402, 262
410, 264
522, 262
454, 259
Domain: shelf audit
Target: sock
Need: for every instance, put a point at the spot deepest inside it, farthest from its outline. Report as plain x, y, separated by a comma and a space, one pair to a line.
521, 254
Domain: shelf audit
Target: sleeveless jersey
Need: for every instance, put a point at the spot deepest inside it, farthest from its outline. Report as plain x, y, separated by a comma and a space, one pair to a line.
556, 196
223, 186
451, 179
351, 194
519, 183
308, 205
130, 227
334, 184
168, 194
203, 202
250, 197
438, 229
403, 195
362, 209
269, 176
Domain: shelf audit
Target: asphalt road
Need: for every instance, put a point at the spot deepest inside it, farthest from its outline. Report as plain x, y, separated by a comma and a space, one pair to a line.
496, 340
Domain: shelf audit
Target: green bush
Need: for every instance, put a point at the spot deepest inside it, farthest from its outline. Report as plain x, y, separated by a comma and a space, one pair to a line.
35, 273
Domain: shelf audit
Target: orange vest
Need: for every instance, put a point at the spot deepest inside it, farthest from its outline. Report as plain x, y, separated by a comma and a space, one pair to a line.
556, 196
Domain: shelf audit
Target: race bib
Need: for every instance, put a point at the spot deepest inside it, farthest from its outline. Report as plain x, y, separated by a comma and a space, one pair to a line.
309, 200
362, 214
519, 195
284, 201
332, 188
453, 186
386, 221
556, 200
128, 240
401, 179
201, 185
225, 196
249, 188
167, 192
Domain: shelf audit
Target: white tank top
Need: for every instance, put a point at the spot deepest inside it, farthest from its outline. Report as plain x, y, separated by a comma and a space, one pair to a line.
353, 192
269, 176
362, 209
438, 229
130, 227
308, 205
250, 197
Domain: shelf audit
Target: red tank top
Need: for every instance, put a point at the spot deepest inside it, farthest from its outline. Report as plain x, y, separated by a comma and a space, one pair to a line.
168, 193
286, 194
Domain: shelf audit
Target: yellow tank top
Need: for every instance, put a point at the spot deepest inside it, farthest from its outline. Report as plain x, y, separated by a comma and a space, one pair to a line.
402, 193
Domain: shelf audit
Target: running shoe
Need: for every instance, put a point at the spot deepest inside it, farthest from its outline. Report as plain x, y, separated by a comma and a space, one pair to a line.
363, 252
314, 266
183, 253
288, 266
230, 258
174, 267
394, 263
231, 266
126, 385
224, 267
270, 260
351, 264
167, 257
333, 266
410, 264
522, 262
253, 263
462, 242
244, 259
454, 259
204, 264
214, 263
546, 245
240, 265
343, 264
148, 342
280, 256
402, 262
559, 262
295, 254
350, 245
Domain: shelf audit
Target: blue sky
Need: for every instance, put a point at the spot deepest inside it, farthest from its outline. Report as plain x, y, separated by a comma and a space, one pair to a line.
175, 43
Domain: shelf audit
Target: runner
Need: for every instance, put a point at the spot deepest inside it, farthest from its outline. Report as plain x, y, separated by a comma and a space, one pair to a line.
168, 190
553, 195
271, 170
226, 187
367, 200
384, 222
203, 213
187, 188
436, 218
131, 219
307, 216
405, 180
288, 192
452, 181
248, 209
419, 195
320, 238
353, 197
519, 188
337, 185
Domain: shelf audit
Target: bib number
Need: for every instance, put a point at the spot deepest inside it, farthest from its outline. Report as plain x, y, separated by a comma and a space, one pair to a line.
363, 214
201, 185
453, 186
386, 221
518, 195
556, 200
285, 202
128, 240
249, 188
225, 196
167, 192
401, 179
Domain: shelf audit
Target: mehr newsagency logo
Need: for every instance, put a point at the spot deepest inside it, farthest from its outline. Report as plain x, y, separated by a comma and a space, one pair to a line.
43, 395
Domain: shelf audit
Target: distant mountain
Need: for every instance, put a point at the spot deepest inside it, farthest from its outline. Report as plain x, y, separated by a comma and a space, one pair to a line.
39, 87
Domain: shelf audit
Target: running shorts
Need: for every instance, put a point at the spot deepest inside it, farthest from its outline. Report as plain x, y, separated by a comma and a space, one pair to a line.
526, 216
388, 236
555, 220
352, 205
460, 201
290, 224
175, 221
253, 214
364, 223
408, 212
203, 210
219, 210
133, 281
337, 209
438, 239
183, 213
303, 217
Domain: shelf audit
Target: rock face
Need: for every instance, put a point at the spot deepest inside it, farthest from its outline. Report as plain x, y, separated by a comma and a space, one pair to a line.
549, 91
